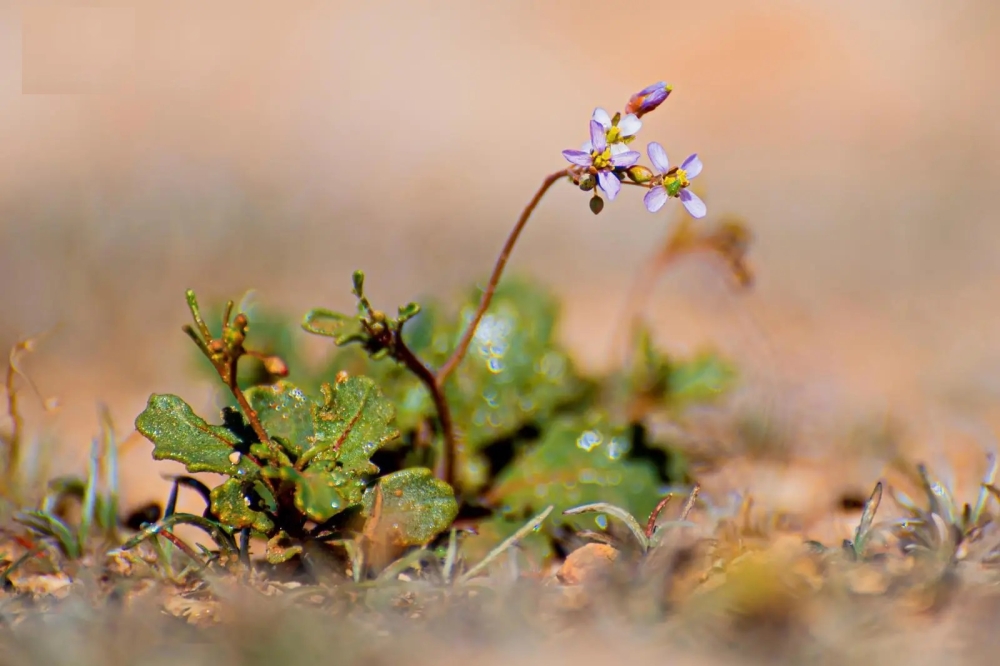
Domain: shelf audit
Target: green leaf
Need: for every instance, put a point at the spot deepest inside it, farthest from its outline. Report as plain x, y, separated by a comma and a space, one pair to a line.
281, 549
286, 414
352, 423
515, 372
700, 379
322, 493
579, 460
669, 382
416, 506
232, 504
177, 433
343, 328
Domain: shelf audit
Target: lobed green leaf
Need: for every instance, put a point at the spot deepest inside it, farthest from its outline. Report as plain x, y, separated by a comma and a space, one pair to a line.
416, 506
177, 433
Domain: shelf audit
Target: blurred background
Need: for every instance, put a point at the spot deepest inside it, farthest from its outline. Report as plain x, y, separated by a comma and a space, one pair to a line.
150, 147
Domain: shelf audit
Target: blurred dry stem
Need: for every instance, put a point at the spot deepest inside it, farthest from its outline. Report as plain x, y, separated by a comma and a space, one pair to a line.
13, 441
728, 239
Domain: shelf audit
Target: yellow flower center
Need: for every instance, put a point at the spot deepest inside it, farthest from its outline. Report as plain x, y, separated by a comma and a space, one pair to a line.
676, 182
603, 160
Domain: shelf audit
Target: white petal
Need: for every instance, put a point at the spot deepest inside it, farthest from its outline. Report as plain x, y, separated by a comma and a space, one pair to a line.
601, 116
578, 158
609, 183
629, 125
695, 206
692, 166
655, 199
587, 147
619, 148
658, 156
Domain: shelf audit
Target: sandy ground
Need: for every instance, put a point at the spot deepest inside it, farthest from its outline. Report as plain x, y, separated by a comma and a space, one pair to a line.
279, 149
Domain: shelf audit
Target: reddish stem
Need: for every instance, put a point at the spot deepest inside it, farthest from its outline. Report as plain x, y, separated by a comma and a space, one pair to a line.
447, 467
463, 346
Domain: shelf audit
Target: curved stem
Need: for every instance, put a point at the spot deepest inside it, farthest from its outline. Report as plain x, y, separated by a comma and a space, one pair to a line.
484, 303
403, 353
228, 374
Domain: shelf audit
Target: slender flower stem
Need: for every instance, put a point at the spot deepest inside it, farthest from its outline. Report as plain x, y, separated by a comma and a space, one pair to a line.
248, 411
446, 470
463, 346
251, 415
227, 370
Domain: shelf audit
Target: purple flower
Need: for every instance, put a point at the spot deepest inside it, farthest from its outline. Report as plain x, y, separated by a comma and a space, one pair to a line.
619, 132
648, 99
674, 182
601, 161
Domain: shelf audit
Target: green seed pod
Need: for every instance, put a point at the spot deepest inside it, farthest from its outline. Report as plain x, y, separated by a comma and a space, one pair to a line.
588, 182
639, 174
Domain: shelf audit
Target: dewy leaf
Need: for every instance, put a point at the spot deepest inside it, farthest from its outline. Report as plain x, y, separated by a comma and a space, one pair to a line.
425, 336
286, 414
515, 372
322, 493
177, 433
233, 505
416, 506
579, 460
655, 377
341, 327
353, 422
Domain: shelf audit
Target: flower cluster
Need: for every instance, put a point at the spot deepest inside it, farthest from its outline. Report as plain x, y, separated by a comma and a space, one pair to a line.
605, 161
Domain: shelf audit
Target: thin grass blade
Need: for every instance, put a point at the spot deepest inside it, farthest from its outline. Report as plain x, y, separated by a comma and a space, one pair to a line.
621, 514
526, 529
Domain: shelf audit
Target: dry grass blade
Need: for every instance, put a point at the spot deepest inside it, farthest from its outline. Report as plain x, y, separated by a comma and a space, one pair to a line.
622, 515
863, 530
528, 527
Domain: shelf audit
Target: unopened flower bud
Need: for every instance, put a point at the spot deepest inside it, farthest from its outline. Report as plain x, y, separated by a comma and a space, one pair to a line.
409, 311
596, 204
275, 365
359, 283
588, 182
639, 174
648, 99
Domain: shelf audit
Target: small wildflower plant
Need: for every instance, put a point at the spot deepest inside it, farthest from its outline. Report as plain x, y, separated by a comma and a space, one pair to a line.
448, 390
606, 160
421, 416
